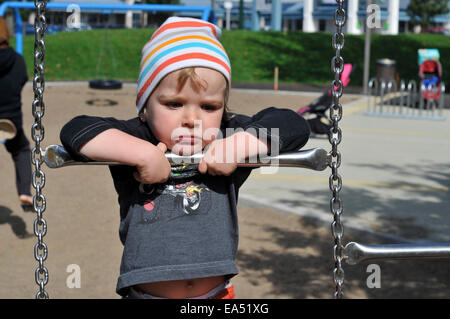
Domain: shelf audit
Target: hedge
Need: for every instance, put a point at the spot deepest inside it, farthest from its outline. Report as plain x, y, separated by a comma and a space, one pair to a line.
301, 57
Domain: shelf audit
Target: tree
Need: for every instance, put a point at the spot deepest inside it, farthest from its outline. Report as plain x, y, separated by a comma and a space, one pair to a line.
422, 11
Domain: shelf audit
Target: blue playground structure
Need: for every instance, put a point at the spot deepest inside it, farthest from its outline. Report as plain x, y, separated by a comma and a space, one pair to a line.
207, 12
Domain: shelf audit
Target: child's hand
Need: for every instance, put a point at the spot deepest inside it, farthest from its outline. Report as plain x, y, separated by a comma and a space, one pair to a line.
222, 156
155, 168
215, 160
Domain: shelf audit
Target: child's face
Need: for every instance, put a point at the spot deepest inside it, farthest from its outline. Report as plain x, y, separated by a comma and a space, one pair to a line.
188, 120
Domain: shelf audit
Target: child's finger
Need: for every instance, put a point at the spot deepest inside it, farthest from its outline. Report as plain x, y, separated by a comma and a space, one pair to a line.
137, 176
212, 139
202, 167
162, 147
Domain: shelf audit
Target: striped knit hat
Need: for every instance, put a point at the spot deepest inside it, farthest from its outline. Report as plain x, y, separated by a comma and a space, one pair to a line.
180, 43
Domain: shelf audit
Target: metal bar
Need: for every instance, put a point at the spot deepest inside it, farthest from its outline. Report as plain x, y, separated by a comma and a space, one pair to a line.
355, 253
392, 85
411, 99
372, 92
441, 99
430, 102
383, 88
421, 98
402, 97
204, 10
367, 44
103, 6
318, 159
18, 31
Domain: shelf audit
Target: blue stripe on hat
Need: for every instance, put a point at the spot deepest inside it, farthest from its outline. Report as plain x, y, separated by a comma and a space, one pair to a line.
181, 47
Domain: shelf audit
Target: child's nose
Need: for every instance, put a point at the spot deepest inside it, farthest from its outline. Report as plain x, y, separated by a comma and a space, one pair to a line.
190, 116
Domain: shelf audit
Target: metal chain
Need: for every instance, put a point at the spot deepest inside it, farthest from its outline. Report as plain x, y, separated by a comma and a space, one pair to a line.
37, 133
106, 42
335, 137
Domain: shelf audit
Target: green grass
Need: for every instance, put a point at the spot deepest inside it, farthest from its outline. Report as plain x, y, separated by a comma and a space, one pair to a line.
301, 57
75, 55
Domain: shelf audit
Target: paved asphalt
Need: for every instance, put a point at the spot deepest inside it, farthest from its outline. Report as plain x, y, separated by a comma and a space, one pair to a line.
395, 172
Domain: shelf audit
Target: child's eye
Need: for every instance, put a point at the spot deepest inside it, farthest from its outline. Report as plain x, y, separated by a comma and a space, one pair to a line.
173, 104
209, 107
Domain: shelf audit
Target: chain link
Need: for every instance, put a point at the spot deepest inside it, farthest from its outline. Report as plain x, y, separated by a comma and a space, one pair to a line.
37, 133
335, 137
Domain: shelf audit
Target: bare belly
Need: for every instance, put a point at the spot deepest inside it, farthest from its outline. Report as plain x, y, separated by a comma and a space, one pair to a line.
181, 288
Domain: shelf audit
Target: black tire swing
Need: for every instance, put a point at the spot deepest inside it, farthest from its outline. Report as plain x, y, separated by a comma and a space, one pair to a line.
104, 83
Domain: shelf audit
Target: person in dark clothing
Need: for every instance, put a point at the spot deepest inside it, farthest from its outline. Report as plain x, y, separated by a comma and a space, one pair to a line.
13, 76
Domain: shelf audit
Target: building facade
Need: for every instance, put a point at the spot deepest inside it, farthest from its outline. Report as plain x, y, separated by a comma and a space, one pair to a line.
388, 16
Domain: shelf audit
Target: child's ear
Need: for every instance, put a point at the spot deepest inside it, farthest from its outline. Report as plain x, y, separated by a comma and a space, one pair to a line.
142, 116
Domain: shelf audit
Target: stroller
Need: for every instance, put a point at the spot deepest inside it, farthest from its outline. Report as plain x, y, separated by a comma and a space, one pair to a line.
314, 113
430, 73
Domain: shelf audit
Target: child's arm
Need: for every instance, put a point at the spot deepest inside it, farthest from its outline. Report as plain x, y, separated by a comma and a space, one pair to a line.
113, 145
272, 129
111, 140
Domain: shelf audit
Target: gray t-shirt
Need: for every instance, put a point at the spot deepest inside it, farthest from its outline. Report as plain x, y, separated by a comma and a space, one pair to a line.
185, 228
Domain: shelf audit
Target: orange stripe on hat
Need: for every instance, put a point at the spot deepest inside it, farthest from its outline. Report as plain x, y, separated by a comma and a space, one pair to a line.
179, 58
184, 24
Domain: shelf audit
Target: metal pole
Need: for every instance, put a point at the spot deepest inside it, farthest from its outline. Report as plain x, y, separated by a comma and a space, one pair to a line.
19, 31
227, 5
318, 159
356, 253
255, 16
241, 14
276, 16
367, 54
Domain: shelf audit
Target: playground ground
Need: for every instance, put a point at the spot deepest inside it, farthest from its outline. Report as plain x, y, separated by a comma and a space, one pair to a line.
396, 189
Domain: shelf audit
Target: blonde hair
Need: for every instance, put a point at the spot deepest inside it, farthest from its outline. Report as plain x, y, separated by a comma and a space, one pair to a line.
189, 74
4, 34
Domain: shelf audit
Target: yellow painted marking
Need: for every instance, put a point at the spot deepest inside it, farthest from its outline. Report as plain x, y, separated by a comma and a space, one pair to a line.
355, 106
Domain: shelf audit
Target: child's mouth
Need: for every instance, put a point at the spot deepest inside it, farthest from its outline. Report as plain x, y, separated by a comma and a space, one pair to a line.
188, 139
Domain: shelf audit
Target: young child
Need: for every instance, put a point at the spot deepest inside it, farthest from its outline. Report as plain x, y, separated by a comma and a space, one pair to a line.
179, 224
